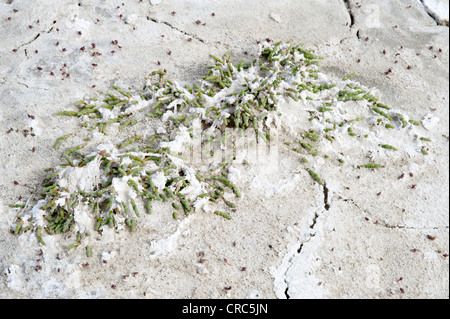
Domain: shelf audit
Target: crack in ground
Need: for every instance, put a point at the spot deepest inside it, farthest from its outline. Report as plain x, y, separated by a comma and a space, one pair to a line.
31, 88
326, 206
286, 293
348, 6
177, 29
434, 16
23, 84
384, 224
27, 43
326, 203
387, 225
36, 37
350, 12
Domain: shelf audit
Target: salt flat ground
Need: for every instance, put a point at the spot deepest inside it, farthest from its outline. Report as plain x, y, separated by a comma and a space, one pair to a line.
368, 235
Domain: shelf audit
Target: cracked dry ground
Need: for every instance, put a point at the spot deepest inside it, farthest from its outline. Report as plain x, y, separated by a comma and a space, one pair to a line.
337, 241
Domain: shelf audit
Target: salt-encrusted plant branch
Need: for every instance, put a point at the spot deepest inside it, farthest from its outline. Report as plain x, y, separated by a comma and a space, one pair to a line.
146, 168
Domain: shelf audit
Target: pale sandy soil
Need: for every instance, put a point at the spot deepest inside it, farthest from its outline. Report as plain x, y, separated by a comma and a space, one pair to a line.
367, 234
